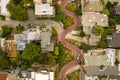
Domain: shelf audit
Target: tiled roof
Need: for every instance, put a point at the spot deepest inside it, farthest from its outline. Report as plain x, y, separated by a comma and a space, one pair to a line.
115, 41
3, 76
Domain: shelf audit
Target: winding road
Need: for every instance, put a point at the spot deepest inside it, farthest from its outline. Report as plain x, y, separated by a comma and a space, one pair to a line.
62, 39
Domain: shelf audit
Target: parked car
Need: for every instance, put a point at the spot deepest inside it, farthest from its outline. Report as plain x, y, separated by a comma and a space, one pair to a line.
78, 56
63, 78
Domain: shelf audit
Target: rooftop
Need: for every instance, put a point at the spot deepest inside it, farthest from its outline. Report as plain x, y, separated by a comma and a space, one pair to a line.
95, 70
114, 41
94, 40
92, 6
100, 57
44, 9
94, 18
100, 62
3, 76
11, 48
3, 9
43, 35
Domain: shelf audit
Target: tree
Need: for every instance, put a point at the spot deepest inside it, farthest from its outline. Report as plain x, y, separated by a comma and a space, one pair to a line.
31, 52
82, 34
71, 6
109, 5
42, 26
85, 47
4, 61
102, 44
6, 31
17, 11
112, 22
61, 56
18, 29
98, 30
78, 11
106, 11
102, 1
51, 59
56, 52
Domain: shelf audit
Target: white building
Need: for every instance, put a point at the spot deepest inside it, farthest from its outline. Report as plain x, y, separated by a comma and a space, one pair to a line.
44, 8
3, 9
43, 75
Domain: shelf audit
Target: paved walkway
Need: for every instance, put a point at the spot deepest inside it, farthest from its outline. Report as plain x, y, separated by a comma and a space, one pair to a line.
72, 47
71, 36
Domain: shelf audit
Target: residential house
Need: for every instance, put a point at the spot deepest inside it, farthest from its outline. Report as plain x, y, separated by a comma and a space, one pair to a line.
11, 48
3, 9
90, 20
3, 76
43, 75
113, 40
100, 62
2, 42
44, 8
43, 72
92, 6
115, 11
43, 35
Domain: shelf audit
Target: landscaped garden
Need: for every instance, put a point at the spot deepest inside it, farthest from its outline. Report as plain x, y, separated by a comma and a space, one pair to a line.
76, 43
74, 75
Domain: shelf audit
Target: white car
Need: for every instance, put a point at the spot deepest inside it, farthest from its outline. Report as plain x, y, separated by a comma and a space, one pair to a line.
78, 56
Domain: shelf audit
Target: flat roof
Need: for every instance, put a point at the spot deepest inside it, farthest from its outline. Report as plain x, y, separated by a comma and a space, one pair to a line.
99, 57
3, 8
94, 18
43, 9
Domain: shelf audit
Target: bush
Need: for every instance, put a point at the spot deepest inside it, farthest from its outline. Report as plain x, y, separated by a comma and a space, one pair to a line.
106, 11
18, 29
80, 27
82, 34
67, 20
6, 30
17, 11
2, 17
98, 30
85, 47
42, 26
78, 11
102, 44
102, 1
71, 6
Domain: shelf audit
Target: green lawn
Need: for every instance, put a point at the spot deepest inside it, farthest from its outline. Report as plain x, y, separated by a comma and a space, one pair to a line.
69, 56
74, 75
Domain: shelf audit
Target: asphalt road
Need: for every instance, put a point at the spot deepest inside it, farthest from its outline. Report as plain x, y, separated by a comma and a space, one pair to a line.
72, 47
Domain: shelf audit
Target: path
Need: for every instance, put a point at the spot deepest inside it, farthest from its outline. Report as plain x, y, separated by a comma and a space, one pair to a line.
72, 47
